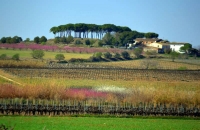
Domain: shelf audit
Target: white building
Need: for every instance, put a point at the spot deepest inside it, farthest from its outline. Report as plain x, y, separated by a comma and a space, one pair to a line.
176, 46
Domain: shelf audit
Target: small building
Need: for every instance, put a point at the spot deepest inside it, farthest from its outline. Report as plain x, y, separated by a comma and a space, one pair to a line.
174, 46
161, 46
146, 41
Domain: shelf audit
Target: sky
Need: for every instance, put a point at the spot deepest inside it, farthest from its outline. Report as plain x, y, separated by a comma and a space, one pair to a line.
173, 20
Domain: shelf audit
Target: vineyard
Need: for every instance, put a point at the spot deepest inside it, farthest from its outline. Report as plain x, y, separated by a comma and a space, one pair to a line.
187, 64
108, 73
70, 107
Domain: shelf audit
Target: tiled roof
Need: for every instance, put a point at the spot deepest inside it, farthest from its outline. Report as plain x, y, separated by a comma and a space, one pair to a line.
150, 47
161, 43
176, 43
147, 39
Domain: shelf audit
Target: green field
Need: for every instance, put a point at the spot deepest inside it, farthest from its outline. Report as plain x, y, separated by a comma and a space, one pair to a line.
95, 123
26, 54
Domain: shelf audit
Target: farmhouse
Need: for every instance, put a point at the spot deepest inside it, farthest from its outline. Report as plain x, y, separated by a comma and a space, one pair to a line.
158, 45
152, 44
146, 41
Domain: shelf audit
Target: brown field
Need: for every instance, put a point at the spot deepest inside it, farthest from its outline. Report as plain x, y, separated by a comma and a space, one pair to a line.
153, 64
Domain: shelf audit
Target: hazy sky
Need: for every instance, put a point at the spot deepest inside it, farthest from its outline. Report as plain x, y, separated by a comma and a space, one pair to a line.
174, 20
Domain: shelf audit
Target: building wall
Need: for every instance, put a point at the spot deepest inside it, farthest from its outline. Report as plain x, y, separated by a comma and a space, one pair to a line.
165, 46
146, 43
146, 49
156, 45
176, 47
160, 45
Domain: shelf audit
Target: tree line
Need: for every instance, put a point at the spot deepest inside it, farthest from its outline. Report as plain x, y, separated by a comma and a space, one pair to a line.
14, 39
17, 39
82, 30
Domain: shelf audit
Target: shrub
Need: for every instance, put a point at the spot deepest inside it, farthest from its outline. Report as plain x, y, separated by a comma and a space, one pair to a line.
137, 52
15, 57
37, 54
78, 42
125, 55
87, 42
4, 127
63, 61
174, 55
182, 68
43, 43
151, 54
77, 60
92, 42
59, 57
107, 55
63, 39
98, 54
56, 40
3, 56
69, 39
100, 43
117, 55
94, 59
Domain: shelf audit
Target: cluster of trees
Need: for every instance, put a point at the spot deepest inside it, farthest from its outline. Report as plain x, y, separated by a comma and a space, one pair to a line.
42, 39
65, 40
189, 50
122, 38
17, 39
14, 39
82, 30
